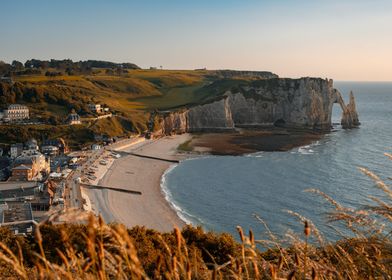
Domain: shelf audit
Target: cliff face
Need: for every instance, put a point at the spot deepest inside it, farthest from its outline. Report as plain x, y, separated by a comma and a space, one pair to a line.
296, 103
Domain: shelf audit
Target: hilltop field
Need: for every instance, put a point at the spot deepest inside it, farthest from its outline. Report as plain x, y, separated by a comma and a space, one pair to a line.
131, 94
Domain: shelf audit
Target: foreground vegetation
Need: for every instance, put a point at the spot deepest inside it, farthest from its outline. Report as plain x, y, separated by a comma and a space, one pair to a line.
99, 251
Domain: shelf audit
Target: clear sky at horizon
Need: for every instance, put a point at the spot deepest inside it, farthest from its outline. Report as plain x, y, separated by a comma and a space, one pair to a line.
343, 40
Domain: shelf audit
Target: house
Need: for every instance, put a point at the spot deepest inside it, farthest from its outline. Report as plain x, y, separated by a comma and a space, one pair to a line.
96, 108
58, 163
73, 119
50, 150
36, 161
16, 150
22, 173
32, 144
16, 112
59, 143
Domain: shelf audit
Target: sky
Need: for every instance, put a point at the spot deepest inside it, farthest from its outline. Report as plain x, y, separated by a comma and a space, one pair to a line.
339, 39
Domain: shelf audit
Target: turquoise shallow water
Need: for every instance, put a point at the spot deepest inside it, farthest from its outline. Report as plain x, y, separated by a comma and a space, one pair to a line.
222, 192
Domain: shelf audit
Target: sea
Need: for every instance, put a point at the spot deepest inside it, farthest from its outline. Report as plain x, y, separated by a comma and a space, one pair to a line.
267, 191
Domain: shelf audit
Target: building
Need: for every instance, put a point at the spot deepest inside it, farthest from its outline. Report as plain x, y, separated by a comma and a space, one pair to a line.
32, 144
36, 161
40, 195
59, 163
50, 150
27, 202
73, 119
96, 147
59, 143
16, 150
22, 173
18, 217
96, 108
16, 112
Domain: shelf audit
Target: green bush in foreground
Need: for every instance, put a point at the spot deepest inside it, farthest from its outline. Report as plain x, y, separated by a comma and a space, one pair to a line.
100, 251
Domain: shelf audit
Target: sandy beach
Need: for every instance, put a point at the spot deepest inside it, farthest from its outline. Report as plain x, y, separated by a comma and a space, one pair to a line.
134, 173
130, 172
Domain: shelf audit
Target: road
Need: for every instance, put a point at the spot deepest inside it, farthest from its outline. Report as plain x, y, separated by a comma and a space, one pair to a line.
73, 193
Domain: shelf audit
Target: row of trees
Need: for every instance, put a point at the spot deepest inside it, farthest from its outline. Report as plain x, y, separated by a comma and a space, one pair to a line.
66, 65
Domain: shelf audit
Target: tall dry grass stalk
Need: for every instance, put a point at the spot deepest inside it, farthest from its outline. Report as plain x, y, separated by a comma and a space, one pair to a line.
110, 251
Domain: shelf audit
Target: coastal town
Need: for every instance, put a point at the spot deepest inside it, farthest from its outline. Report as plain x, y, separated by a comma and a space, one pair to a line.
38, 179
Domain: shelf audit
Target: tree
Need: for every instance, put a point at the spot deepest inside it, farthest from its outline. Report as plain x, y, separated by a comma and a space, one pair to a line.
5, 68
17, 65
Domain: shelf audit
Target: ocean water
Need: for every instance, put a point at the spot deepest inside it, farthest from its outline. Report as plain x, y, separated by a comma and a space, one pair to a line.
221, 192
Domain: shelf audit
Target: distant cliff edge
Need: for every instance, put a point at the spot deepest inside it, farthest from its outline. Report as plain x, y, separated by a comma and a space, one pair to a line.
304, 103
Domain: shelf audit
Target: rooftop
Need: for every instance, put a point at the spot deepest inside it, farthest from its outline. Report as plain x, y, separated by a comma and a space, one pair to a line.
16, 212
4, 186
18, 216
16, 106
22, 167
73, 117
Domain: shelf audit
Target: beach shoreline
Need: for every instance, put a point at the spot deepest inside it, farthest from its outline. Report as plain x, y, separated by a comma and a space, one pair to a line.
140, 169
129, 172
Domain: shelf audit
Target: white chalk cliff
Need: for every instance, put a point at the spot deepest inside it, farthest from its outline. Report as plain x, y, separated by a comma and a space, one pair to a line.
294, 103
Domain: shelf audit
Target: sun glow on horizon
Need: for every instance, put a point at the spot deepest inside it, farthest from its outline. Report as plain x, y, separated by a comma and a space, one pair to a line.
343, 40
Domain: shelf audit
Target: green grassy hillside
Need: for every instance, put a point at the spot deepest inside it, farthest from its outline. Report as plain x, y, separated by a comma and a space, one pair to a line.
131, 95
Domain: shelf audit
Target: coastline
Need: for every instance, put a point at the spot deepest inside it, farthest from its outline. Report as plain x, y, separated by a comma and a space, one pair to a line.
150, 209
154, 208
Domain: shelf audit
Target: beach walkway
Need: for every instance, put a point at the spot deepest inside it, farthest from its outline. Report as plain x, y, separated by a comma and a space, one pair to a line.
111, 188
149, 157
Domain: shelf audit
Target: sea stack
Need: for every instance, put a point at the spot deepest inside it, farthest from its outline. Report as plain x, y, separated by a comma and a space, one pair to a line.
350, 115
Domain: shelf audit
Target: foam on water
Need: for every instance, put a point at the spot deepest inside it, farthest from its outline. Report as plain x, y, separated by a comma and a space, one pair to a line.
181, 213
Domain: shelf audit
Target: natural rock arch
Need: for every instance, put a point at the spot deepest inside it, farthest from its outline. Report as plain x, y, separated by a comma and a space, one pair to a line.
349, 112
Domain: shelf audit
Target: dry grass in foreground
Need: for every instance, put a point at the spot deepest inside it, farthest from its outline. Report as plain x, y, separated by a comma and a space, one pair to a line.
101, 251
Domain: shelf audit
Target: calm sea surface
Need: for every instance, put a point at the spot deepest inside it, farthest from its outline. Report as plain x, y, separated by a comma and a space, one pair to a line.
222, 192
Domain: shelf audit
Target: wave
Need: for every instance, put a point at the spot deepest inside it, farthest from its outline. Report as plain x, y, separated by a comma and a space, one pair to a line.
306, 149
255, 155
181, 213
